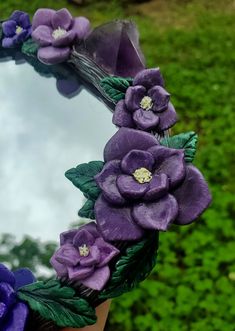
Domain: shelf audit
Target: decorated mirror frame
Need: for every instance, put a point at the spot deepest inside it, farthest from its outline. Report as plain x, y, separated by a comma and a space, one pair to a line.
145, 183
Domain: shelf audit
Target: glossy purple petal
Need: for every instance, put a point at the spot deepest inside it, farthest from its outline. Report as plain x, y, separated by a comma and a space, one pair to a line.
121, 115
136, 159
171, 162
53, 55
92, 259
6, 275
62, 18
23, 277
24, 21
193, 196
98, 279
67, 237
83, 237
16, 320
156, 215
16, 15
8, 42
116, 223
130, 188
60, 269
149, 78
107, 182
107, 252
9, 28
7, 294
81, 27
79, 273
133, 97
160, 98
43, 35
158, 187
64, 40
126, 139
3, 310
145, 119
92, 228
43, 16
67, 255
167, 118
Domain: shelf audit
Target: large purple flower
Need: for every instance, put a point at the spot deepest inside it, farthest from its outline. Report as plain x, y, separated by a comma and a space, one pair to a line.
56, 32
146, 186
13, 313
84, 256
146, 105
16, 29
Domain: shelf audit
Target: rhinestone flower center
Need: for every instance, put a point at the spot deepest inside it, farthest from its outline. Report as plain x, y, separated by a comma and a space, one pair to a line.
146, 103
142, 175
59, 32
19, 29
84, 250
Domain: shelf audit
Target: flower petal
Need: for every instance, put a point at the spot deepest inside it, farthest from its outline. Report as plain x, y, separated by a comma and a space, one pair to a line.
107, 252
23, 277
92, 259
17, 317
64, 40
67, 255
136, 159
121, 116
170, 162
145, 119
62, 18
24, 21
67, 237
167, 118
130, 188
43, 35
133, 97
160, 98
156, 215
60, 269
7, 294
98, 279
6, 275
43, 16
81, 26
53, 55
126, 139
116, 223
83, 237
149, 78
8, 42
107, 179
79, 272
193, 196
16, 15
9, 28
158, 187
3, 310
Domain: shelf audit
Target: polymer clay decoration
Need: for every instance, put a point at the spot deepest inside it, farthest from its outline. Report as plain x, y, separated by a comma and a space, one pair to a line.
145, 184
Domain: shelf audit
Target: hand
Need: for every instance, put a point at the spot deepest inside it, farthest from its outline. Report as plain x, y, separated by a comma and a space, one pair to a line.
102, 314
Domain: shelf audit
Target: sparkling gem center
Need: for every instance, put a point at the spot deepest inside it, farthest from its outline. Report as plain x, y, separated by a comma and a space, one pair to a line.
142, 175
146, 103
84, 250
19, 29
59, 32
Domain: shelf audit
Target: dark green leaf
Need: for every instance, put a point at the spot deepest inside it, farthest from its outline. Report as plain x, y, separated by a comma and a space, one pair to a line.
87, 210
83, 178
29, 47
186, 141
58, 303
115, 87
133, 267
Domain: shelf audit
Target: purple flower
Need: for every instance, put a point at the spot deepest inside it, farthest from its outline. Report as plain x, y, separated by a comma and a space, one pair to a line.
56, 32
84, 256
146, 105
16, 30
146, 186
13, 313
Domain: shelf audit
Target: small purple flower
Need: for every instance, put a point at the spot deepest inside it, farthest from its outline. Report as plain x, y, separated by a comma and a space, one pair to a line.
13, 313
146, 105
84, 256
16, 29
146, 186
56, 32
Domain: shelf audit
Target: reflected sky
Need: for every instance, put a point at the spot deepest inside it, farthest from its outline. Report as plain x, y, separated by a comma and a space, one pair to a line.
42, 135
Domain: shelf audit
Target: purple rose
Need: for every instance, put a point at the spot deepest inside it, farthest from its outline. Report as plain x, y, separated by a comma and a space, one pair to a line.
84, 256
56, 32
146, 186
16, 30
13, 313
146, 105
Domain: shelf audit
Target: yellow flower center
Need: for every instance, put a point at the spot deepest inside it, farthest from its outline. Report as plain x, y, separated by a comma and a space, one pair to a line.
19, 29
146, 103
59, 32
142, 175
84, 250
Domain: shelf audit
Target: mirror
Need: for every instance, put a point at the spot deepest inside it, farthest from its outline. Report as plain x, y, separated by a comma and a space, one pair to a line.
47, 127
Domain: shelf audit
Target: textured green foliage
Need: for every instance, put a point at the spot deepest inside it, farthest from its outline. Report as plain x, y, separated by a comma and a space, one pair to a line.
115, 87
186, 141
83, 178
87, 210
29, 47
133, 267
58, 303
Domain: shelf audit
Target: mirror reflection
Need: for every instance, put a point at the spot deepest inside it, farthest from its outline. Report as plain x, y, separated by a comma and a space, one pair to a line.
44, 132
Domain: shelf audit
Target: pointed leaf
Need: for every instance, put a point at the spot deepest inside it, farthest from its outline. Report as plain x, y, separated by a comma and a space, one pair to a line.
29, 47
115, 87
87, 210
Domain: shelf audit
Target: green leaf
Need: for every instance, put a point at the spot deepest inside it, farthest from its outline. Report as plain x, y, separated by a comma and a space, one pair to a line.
29, 47
83, 178
87, 210
115, 87
58, 303
186, 141
133, 267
